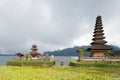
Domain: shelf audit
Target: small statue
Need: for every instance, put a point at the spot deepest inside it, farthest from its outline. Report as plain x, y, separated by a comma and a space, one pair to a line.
52, 57
61, 61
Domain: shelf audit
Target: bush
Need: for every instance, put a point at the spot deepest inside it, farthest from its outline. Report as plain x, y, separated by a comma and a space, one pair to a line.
94, 64
31, 63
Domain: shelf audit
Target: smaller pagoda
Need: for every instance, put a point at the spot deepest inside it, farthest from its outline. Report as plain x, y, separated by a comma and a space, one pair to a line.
34, 52
98, 47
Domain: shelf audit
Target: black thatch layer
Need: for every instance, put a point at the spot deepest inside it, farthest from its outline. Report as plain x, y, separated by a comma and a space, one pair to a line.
98, 40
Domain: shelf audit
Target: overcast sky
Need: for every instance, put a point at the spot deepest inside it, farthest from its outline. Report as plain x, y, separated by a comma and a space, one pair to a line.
55, 24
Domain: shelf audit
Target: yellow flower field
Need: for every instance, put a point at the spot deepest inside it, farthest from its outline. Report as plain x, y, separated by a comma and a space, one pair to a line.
58, 73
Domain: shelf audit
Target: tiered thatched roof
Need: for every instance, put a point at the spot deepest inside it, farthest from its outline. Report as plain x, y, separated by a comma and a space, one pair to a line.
98, 40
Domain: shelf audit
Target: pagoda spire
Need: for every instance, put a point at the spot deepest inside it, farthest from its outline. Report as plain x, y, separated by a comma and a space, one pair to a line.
98, 47
98, 33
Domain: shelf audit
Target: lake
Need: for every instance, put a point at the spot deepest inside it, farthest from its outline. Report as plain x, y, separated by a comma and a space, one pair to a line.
66, 59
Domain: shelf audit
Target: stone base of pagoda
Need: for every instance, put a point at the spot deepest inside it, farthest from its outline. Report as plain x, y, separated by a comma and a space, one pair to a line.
98, 53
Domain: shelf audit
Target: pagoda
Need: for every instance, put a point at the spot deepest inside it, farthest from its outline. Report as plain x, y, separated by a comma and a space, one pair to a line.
34, 52
98, 47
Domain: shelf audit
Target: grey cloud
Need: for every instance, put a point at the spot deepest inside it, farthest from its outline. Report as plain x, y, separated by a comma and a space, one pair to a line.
51, 24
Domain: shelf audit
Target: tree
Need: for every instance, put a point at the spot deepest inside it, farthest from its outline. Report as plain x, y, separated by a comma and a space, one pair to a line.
27, 56
107, 53
81, 52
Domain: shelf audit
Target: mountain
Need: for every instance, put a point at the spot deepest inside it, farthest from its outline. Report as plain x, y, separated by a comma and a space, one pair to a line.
115, 51
6, 54
67, 51
72, 51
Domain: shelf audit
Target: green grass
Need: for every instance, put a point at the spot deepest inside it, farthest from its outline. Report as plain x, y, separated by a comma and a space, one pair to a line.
58, 73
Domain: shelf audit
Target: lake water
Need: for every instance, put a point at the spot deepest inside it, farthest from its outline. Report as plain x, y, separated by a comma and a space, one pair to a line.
66, 59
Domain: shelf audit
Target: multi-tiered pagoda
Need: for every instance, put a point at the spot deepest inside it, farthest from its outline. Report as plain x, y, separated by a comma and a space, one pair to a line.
34, 52
98, 47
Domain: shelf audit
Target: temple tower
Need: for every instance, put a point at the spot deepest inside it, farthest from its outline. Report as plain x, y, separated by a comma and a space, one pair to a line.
98, 47
34, 52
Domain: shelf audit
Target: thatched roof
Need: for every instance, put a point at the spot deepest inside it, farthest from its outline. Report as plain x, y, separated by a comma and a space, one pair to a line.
101, 47
98, 40
19, 54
